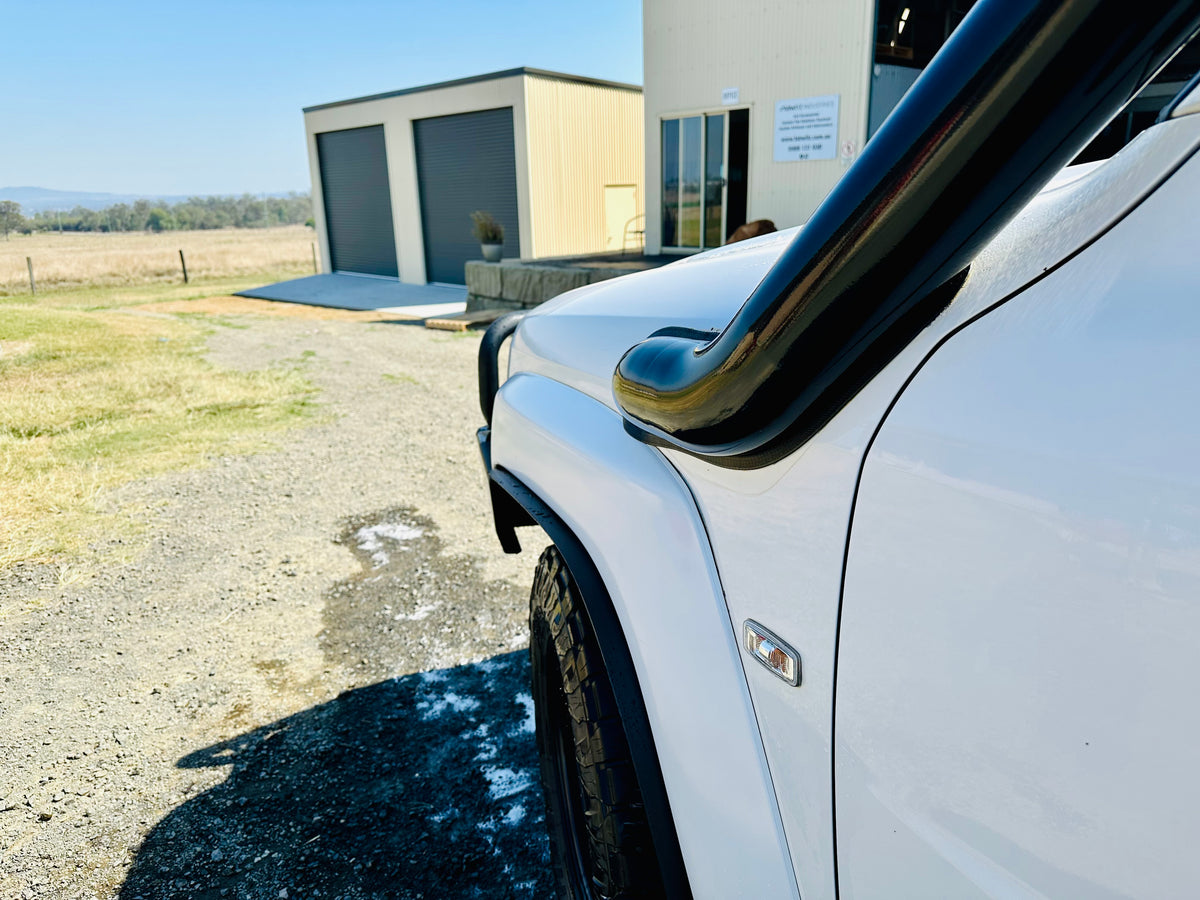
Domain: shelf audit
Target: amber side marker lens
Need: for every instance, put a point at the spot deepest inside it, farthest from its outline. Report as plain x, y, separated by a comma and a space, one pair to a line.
774, 653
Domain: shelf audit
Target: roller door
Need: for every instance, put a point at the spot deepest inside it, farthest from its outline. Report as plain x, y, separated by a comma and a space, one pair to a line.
464, 163
358, 202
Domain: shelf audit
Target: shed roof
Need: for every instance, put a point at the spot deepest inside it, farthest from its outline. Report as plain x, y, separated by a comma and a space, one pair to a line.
490, 76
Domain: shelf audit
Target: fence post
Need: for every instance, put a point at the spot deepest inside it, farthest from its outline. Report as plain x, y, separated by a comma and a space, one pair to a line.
183, 262
316, 269
32, 285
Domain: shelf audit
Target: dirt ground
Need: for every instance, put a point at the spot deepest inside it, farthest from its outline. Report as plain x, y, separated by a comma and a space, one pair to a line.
311, 680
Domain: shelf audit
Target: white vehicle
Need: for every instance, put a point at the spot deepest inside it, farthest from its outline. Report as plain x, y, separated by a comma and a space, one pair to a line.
885, 582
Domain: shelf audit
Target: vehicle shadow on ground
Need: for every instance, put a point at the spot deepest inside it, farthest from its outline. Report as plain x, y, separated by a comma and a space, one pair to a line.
420, 786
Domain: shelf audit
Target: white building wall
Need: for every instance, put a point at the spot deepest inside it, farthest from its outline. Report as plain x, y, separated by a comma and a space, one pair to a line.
769, 50
396, 114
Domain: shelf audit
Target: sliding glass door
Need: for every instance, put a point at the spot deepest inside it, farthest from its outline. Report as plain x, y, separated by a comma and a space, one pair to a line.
714, 180
694, 153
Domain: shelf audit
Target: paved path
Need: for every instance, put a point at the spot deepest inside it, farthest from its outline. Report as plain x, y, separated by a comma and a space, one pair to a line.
363, 292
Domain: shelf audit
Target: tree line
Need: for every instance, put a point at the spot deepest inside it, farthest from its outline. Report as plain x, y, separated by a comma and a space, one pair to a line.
245, 211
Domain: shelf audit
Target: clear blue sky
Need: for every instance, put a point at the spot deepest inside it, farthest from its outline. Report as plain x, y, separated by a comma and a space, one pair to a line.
161, 97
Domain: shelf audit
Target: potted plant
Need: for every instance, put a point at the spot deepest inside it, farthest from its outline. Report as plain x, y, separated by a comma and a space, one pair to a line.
490, 234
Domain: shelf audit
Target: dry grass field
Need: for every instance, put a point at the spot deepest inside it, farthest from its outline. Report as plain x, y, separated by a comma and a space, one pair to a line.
92, 399
85, 259
104, 378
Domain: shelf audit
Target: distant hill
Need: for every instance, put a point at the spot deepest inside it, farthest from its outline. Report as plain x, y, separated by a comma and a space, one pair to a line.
38, 199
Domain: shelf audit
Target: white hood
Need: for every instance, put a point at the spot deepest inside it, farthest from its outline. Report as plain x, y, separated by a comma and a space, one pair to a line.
578, 338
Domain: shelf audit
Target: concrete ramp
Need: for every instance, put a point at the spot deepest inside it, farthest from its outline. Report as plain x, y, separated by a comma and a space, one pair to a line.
362, 292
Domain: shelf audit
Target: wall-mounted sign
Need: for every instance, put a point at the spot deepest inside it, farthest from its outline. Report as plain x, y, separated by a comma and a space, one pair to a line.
729, 96
806, 128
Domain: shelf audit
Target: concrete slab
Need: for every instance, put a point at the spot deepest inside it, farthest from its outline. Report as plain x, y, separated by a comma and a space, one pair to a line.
417, 301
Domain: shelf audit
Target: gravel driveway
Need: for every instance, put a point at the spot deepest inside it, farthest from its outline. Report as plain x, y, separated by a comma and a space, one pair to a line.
310, 680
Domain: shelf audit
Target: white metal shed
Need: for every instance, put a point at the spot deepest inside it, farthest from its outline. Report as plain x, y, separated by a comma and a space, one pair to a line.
557, 159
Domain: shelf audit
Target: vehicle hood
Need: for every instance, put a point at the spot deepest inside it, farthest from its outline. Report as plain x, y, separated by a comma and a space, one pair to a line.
579, 337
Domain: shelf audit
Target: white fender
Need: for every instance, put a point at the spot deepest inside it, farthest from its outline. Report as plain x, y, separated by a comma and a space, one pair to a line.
637, 519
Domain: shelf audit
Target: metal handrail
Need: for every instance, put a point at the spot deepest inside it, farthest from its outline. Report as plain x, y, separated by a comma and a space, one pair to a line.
1017, 91
625, 232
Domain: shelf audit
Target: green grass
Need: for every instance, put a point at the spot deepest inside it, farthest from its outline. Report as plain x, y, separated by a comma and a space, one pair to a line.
93, 397
402, 378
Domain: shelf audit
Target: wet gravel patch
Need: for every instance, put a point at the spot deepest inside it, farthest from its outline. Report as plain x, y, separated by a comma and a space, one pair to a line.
309, 675
413, 599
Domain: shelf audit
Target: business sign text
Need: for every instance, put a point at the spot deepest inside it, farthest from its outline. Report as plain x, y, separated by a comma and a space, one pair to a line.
806, 128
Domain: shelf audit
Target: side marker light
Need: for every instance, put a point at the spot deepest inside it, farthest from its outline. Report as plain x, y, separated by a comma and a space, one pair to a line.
768, 649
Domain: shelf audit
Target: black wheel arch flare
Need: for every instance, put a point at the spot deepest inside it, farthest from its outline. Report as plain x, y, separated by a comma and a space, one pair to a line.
621, 672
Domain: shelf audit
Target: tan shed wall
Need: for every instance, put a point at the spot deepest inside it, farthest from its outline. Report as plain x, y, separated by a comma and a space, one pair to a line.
769, 50
396, 114
581, 138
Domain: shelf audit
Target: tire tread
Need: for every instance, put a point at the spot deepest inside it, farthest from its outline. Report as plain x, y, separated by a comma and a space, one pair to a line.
619, 844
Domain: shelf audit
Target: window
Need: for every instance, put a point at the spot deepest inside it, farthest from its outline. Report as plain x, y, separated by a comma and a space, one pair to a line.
703, 198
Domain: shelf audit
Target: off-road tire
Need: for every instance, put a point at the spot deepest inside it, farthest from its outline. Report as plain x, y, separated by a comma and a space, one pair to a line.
599, 839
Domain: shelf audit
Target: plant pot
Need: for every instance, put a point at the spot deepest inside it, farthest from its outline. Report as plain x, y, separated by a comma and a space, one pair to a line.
492, 252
